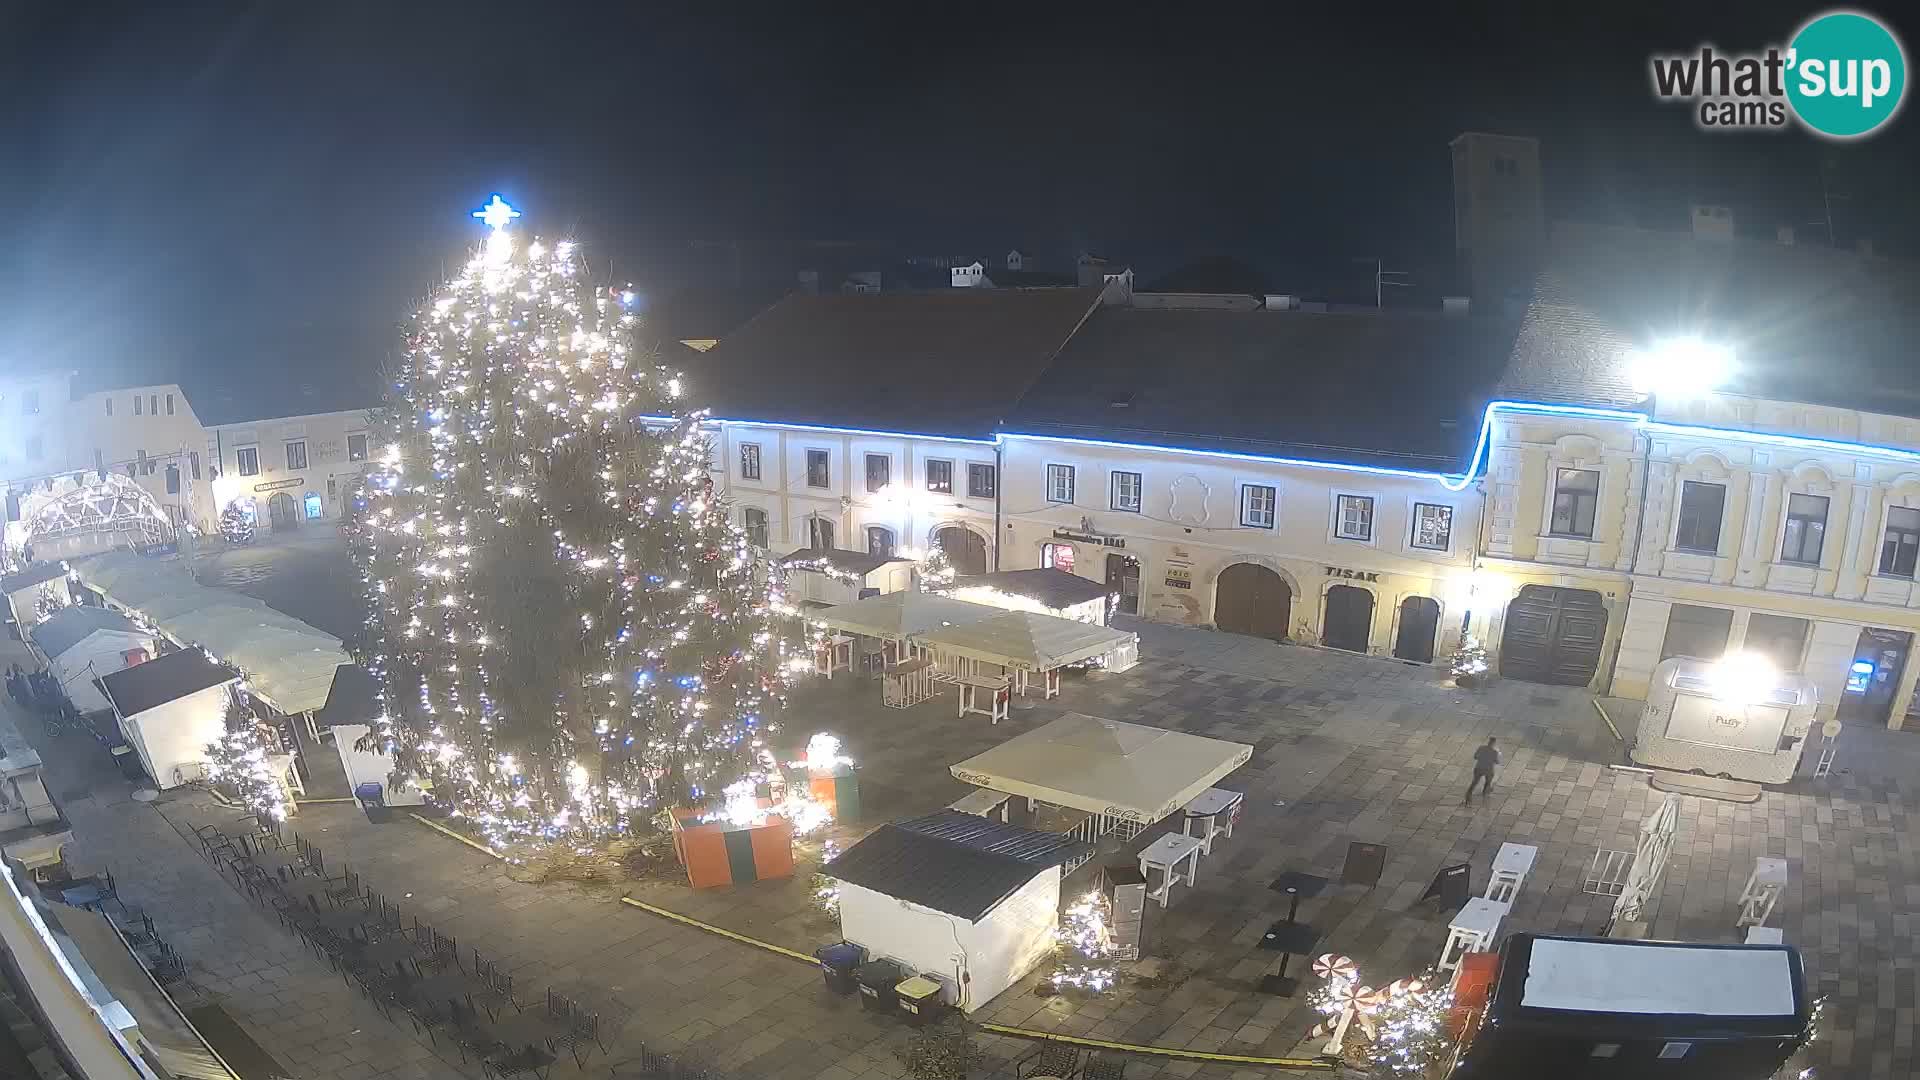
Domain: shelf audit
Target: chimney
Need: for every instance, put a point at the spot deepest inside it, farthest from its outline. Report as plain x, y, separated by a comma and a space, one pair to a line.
1455, 305
1785, 235
1281, 302
1712, 223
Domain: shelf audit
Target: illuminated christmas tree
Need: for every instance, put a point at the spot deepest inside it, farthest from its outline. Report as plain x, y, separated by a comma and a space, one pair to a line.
1084, 945
936, 570
566, 628
239, 763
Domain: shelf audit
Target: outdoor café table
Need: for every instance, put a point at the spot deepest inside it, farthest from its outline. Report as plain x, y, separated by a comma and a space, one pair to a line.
519, 1031
350, 921
388, 954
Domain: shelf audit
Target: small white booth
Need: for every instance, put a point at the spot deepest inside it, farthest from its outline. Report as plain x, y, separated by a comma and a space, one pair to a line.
83, 643
1024, 643
1734, 718
24, 589
967, 901
1046, 591
1125, 776
841, 577
170, 709
892, 618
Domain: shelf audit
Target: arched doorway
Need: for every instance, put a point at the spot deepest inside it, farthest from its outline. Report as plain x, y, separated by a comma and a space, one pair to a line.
880, 541
966, 549
1349, 619
1419, 621
1251, 599
281, 509
1553, 635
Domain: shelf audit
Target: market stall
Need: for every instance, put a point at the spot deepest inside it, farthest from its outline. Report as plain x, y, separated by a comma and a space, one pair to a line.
1734, 717
1046, 591
83, 643
25, 589
842, 577
1024, 643
963, 899
892, 618
1127, 776
170, 709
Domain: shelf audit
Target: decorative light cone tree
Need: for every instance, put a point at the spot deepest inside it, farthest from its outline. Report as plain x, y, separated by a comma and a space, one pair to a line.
241, 761
567, 631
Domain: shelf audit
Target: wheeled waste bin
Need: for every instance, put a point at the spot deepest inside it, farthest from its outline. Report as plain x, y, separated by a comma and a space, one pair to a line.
837, 964
920, 1000
877, 978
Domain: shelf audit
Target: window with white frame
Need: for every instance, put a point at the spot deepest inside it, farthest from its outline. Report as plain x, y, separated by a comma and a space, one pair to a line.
1782, 639
819, 470
753, 521
819, 534
246, 459
1702, 505
879, 472
356, 448
1353, 517
1060, 483
1257, 505
297, 455
749, 461
1576, 497
1901, 544
940, 476
1432, 526
1806, 531
880, 541
1125, 494
982, 480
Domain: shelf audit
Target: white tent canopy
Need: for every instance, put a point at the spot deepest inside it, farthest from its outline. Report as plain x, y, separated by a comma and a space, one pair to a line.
287, 662
1105, 767
1026, 639
899, 615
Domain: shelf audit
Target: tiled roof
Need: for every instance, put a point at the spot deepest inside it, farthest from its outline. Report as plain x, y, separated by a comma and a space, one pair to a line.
1806, 323
941, 363
141, 687
958, 863
1404, 390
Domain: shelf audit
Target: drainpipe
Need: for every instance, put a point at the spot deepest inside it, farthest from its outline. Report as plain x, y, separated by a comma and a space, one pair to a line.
999, 484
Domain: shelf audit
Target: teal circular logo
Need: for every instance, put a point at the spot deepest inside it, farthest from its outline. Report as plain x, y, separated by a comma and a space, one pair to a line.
1846, 74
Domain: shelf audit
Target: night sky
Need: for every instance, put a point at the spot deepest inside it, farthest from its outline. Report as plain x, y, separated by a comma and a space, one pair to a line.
248, 198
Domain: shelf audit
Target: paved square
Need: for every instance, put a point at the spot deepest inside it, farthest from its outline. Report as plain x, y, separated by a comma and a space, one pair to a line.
1346, 748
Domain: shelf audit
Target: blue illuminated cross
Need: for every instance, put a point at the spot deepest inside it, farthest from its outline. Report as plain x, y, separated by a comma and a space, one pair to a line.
497, 214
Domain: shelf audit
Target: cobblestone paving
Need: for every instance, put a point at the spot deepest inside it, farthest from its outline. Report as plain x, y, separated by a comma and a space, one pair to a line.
1346, 748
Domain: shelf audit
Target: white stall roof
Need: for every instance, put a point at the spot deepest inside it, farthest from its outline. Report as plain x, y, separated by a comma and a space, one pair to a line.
287, 662
1026, 639
899, 615
1658, 978
1105, 766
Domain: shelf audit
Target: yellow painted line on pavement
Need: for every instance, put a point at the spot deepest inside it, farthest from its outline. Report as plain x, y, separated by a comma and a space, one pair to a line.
1602, 710
688, 920
467, 840
313, 802
1162, 1051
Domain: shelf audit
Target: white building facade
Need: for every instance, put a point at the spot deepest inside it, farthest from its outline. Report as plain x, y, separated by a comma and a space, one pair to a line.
290, 471
152, 435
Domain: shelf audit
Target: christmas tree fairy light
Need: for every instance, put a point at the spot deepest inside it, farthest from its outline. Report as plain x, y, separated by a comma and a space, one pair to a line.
1402, 1029
567, 631
240, 760
1085, 946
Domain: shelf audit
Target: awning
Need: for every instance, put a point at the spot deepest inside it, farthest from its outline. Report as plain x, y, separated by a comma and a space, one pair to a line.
834, 561
1051, 588
1026, 639
288, 663
1105, 767
899, 615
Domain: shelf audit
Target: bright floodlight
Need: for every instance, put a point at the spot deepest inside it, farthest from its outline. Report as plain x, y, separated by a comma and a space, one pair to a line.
1742, 678
1680, 367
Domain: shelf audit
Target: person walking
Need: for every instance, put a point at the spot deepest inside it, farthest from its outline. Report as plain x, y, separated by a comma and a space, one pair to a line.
1485, 758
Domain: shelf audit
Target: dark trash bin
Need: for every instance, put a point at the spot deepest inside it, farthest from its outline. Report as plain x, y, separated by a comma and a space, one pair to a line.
877, 978
837, 964
920, 1000
129, 762
373, 799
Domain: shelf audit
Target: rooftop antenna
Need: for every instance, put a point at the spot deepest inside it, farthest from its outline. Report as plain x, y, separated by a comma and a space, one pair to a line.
1828, 196
1384, 279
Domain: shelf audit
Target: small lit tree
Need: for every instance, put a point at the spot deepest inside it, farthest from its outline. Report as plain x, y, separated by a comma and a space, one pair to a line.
240, 761
936, 570
1084, 944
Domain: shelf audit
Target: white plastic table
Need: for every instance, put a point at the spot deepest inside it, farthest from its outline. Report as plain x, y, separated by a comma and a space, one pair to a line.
1763, 889
834, 654
1510, 868
1212, 812
998, 691
1766, 935
1472, 930
1166, 854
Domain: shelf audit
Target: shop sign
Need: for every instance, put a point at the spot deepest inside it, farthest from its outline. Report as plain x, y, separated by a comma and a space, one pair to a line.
1353, 575
1179, 578
1089, 538
276, 485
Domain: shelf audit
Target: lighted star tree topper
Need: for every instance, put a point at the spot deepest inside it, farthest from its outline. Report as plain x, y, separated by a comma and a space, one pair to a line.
567, 631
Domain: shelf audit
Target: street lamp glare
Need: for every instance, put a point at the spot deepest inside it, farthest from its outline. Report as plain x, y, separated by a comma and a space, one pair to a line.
1680, 367
1742, 677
